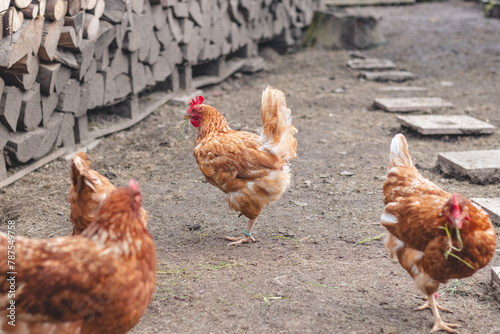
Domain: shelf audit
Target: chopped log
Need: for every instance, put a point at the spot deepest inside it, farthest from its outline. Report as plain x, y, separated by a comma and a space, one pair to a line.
52, 128
49, 104
196, 15
154, 51
137, 6
22, 146
173, 54
134, 39
159, 16
174, 26
90, 27
2, 85
84, 58
96, 88
21, 67
11, 21
89, 4
31, 11
137, 74
91, 71
68, 38
109, 87
69, 98
20, 3
188, 30
103, 61
181, 10
119, 63
66, 134
66, 57
150, 79
106, 35
162, 69
24, 81
42, 5
55, 9
123, 86
98, 10
75, 21
10, 107
74, 7
50, 37
81, 128
4, 5
62, 77
31, 110
164, 36
114, 10
143, 52
84, 101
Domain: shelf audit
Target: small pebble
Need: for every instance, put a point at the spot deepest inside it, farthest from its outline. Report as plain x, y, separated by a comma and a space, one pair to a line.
346, 173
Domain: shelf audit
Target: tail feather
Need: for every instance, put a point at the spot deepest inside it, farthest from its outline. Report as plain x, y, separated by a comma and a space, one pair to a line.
400, 155
277, 130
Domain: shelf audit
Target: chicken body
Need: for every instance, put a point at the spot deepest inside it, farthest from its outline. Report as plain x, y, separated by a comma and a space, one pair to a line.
416, 214
98, 282
251, 169
87, 192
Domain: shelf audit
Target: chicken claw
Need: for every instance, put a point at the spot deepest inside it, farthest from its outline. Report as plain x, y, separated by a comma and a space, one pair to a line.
239, 240
444, 326
426, 305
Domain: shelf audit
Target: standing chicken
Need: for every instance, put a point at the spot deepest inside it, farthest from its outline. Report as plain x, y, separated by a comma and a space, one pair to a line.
251, 169
435, 235
100, 281
87, 192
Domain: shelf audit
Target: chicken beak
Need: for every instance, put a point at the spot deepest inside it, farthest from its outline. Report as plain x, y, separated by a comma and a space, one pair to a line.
457, 222
187, 117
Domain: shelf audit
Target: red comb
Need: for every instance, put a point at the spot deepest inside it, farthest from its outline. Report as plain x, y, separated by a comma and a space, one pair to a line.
199, 100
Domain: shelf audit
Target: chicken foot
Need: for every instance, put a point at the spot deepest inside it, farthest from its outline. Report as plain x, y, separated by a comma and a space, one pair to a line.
246, 238
439, 324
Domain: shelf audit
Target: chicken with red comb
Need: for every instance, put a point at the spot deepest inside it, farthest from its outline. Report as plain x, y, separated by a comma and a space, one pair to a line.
253, 170
435, 235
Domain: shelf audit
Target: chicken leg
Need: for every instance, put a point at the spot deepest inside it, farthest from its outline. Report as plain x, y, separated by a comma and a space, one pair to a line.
426, 305
439, 324
242, 240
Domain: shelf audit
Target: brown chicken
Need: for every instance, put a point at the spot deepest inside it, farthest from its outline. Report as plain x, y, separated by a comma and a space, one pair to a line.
100, 281
251, 169
87, 192
435, 235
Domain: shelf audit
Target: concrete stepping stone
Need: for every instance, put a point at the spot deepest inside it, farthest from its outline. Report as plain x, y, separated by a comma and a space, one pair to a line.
495, 279
409, 104
446, 124
403, 89
492, 206
365, 2
480, 166
384, 76
371, 64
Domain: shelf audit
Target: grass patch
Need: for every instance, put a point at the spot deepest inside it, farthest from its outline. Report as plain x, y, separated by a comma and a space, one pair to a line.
177, 272
369, 239
219, 266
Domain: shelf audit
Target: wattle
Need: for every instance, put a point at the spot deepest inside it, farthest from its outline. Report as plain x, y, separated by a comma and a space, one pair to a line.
195, 122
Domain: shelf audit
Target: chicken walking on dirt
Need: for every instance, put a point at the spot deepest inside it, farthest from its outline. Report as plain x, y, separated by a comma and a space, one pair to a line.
100, 281
87, 192
435, 235
251, 169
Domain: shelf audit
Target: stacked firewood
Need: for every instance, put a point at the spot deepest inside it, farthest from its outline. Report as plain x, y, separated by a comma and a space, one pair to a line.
60, 58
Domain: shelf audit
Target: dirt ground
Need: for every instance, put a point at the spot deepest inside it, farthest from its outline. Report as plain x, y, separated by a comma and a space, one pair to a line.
319, 264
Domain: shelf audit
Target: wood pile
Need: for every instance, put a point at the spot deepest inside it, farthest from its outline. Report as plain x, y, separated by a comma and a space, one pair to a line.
60, 58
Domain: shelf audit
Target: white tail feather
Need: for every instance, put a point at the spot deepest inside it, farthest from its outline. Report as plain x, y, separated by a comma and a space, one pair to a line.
400, 155
277, 130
